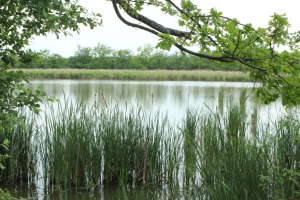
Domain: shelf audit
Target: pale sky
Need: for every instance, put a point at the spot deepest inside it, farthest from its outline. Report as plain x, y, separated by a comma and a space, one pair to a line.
120, 36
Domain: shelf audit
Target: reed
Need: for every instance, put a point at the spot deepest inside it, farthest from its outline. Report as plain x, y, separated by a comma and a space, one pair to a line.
103, 146
221, 99
189, 131
209, 155
103, 97
229, 164
155, 75
22, 163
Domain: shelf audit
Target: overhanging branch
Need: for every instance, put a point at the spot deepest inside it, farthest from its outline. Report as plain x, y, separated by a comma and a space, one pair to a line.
156, 26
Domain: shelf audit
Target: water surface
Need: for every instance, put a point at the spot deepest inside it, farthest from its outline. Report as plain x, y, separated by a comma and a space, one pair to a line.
169, 97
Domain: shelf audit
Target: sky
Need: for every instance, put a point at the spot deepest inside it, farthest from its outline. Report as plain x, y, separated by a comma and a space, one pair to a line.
117, 35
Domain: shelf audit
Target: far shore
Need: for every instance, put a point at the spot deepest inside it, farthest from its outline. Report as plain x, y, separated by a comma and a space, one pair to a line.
117, 74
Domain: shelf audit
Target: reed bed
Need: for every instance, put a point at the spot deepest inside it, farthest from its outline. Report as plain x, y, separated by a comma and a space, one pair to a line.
156, 75
22, 162
210, 155
102, 146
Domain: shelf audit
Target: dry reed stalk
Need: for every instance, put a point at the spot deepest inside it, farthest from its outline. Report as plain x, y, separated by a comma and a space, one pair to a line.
104, 99
95, 99
139, 110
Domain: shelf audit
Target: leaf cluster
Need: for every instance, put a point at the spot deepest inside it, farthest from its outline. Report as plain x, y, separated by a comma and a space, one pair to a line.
20, 20
232, 41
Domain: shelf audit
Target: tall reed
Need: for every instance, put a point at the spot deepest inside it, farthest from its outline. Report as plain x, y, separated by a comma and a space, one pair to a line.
83, 145
229, 164
221, 99
22, 163
209, 155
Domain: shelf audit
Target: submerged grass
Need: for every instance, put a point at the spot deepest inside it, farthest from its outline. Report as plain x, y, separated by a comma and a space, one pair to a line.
209, 156
157, 75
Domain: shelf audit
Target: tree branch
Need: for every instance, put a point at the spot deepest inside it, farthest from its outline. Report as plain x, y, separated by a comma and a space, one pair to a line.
180, 47
192, 18
152, 23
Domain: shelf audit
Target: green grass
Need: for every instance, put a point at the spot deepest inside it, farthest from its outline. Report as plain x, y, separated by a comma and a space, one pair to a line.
138, 75
22, 163
210, 155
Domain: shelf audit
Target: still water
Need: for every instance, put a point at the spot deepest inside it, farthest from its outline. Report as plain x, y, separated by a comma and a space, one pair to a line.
170, 98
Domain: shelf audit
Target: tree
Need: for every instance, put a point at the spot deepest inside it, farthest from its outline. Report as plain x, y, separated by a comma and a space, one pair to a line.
159, 60
42, 59
233, 41
103, 57
144, 56
57, 61
82, 59
123, 59
19, 21
178, 61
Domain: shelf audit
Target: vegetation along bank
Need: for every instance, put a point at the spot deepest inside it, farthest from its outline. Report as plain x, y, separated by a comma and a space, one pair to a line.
157, 75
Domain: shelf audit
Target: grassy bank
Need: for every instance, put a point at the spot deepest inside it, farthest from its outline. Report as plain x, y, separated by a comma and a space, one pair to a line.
157, 75
212, 154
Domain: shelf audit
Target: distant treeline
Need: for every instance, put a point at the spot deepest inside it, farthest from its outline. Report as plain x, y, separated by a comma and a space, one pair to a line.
104, 57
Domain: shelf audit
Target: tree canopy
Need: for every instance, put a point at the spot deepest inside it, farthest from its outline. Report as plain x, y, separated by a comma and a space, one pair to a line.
19, 21
231, 40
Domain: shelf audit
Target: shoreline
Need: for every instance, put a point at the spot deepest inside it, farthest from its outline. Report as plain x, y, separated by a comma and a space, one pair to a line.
151, 75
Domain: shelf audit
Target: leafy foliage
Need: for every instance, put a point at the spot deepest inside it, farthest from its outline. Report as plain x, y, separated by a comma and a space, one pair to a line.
20, 21
147, 58
5, 145
233, 41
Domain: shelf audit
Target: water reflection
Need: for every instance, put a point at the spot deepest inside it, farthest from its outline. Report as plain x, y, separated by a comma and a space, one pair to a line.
169, 96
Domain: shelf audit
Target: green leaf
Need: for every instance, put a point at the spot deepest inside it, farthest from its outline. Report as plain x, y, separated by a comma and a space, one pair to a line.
22, 88
247, 41
181, 23
2, 167
6, 142
23, 126
15, 114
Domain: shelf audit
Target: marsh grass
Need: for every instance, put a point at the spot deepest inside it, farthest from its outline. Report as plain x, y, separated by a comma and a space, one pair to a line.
106, 146
155, 75
209, 155
22, 163
221, 99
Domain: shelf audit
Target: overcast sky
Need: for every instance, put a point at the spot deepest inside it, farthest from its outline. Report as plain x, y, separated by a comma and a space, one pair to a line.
120, 36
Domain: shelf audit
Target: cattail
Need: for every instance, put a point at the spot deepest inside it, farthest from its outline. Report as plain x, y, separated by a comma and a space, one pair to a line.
103, 99
95, 99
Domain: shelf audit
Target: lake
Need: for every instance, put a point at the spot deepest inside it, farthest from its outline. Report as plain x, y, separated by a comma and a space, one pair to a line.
171, 98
